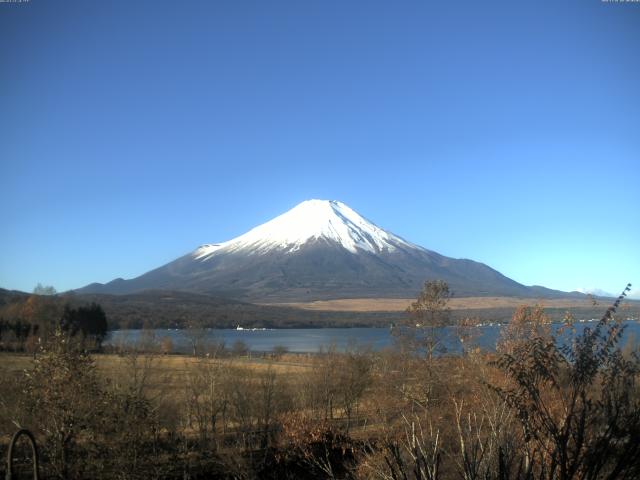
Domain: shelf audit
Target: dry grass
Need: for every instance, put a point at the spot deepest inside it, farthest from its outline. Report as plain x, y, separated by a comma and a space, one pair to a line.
401, 304
165, 373
165, 377
12, 362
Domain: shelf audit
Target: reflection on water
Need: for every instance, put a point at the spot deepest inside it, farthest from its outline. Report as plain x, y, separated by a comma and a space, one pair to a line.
310, 340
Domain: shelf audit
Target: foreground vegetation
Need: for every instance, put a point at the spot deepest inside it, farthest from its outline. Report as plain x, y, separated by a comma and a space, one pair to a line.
534, 410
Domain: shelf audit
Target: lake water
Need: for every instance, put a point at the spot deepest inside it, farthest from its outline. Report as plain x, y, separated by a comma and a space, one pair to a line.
310, 340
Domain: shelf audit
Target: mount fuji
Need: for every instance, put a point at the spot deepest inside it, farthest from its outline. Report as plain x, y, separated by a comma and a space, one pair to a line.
318, 250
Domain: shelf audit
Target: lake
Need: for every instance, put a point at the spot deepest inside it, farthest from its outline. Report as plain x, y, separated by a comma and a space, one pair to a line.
310, 340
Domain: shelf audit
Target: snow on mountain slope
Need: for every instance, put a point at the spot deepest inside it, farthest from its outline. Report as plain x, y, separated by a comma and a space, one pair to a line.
310, 220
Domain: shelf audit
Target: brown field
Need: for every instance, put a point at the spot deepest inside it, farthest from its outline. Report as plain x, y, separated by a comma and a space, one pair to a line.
165, 373
400, 304
175, 364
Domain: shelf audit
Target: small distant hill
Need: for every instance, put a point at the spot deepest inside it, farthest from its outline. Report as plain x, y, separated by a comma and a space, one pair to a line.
10, 296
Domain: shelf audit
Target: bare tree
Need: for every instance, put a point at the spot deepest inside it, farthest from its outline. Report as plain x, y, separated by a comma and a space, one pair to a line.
427, 317
279, 351
485, 440
166, 345
272, 401
196, 335
64, 399
526, 323
321, 382
206, 395
353, 378
240, 348
414, 453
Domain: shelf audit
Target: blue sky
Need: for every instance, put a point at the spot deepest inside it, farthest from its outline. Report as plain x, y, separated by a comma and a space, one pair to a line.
506, 132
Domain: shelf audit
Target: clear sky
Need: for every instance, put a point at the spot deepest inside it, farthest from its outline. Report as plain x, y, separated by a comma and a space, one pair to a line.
506, 132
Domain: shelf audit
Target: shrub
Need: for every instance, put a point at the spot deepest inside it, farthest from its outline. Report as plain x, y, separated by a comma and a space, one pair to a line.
577, 405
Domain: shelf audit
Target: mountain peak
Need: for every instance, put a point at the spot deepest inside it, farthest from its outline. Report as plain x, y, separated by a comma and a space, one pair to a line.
311, 220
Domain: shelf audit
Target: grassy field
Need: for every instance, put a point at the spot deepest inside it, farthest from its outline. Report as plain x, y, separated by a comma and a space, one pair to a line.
401, 304
168, 370
175, 364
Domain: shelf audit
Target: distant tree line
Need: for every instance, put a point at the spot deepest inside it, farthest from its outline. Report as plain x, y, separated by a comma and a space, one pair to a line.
180, 310
89, 321
31, 321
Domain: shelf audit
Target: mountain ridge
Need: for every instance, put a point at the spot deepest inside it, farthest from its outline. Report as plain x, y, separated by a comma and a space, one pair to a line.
319, 249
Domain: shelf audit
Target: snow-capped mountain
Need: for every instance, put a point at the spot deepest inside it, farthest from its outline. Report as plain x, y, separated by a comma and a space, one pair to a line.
310, 221
318, 250
595, 291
